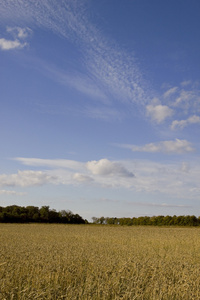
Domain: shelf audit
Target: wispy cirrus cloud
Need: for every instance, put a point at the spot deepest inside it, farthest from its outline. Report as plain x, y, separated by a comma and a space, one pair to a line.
112, 69
75, 79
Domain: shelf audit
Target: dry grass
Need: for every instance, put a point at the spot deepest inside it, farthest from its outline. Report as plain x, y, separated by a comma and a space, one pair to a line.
98, 262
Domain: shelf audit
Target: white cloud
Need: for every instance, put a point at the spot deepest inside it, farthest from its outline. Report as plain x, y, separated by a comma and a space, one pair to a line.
168, 147
105, 167
159, 112
26, 178
19, 32
9, 45
185, 101
183, 123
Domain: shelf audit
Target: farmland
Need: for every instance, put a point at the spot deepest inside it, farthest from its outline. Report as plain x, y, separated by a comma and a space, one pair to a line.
48, 261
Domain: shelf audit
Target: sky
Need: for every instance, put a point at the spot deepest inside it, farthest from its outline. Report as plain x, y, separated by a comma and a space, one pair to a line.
100, 106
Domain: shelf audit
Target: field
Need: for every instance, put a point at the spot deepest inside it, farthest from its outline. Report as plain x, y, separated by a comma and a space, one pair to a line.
39, 261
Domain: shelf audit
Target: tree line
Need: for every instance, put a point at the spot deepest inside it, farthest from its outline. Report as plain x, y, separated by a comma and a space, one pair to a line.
20, 214
155, 220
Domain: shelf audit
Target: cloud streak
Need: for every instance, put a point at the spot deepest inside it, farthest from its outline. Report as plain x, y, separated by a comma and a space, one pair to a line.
168, 147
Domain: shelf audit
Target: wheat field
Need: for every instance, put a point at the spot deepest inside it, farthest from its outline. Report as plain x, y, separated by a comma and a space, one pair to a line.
41, 261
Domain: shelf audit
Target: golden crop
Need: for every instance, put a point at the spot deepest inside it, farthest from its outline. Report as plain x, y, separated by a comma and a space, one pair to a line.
40, 261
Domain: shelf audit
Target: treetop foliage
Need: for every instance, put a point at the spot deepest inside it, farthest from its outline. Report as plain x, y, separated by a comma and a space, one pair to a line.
155, 220
20, 214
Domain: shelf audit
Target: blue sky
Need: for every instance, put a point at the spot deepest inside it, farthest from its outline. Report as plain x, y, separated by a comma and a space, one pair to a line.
100, 106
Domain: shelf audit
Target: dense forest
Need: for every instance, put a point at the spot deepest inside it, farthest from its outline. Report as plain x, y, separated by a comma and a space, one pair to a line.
155, 220
19, 214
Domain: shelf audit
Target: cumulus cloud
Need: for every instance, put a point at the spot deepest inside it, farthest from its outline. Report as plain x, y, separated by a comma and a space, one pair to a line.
159, 112
9, 44
183, 123
104, 167
18, 33
26, 178
168, 147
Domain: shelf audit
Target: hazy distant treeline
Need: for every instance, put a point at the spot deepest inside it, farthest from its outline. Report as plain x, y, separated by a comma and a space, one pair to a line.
19, 214
155, 220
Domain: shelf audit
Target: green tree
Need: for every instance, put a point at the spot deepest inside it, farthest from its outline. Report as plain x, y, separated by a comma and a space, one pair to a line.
44, 213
